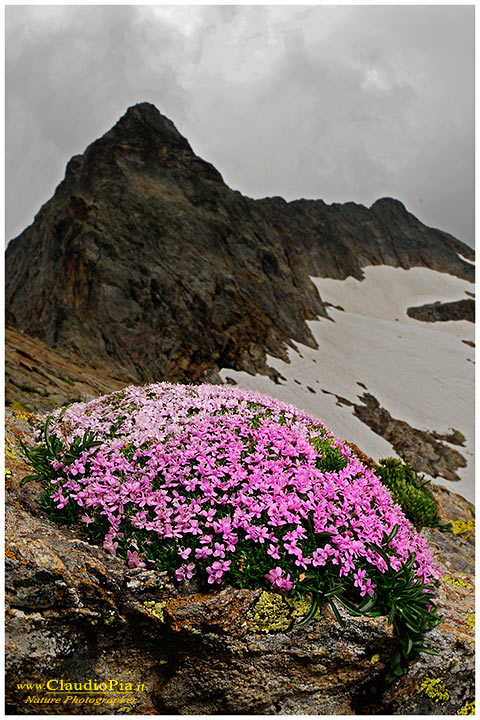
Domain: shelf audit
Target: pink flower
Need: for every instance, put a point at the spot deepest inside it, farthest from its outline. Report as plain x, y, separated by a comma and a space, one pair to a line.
359, 577
110, 546
215, 468
134, 560
185, 572
278, 581
217, 570
184, 552
273, 551
203, 552
368, 587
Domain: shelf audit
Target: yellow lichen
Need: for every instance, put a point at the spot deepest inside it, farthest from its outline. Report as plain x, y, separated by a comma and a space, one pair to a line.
155, 608
471, 620
457, 581
435, 689
467, 709
464, 528
275, 613
21, 411
10, 452
375, 658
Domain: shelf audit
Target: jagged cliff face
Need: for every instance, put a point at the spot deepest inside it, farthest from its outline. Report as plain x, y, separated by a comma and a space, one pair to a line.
144, 256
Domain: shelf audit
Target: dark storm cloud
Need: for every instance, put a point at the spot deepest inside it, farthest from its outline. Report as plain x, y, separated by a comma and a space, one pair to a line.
340, 103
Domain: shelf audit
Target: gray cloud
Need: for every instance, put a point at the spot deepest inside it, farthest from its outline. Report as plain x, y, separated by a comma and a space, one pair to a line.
340, 103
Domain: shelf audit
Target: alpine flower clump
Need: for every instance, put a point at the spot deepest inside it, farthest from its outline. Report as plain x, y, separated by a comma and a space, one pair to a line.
232, 487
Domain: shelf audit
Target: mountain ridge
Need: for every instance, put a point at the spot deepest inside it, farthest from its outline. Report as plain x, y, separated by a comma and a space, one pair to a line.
145, 256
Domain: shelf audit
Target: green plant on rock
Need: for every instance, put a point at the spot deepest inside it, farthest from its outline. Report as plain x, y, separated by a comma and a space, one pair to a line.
32, 390
411, 492
232, 487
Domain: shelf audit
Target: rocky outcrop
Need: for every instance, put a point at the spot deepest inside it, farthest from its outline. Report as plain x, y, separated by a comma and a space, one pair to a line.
442, 312
145, 257
426, 451
341, 239
40, 379
76, 614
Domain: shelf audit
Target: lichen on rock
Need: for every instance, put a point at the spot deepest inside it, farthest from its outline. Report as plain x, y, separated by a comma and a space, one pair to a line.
276, 613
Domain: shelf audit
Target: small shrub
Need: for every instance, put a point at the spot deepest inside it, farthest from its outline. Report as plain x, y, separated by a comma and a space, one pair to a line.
410, 491
234, 487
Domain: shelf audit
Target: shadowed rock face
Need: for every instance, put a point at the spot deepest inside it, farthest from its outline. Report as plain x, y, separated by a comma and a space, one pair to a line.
144, 256
442, 312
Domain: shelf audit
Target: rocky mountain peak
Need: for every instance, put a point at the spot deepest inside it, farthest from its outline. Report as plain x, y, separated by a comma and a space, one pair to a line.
142, 142
144, 256
143, 123
389, 204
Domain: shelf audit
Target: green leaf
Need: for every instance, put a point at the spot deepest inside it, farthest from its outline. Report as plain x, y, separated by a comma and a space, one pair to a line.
380, 551
349, 606
367, 603
392, 535
28, 478
391, 615
312, 611
338, 617
428, 650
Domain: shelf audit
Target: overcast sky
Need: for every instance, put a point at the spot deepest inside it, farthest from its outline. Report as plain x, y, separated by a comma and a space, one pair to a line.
333, 102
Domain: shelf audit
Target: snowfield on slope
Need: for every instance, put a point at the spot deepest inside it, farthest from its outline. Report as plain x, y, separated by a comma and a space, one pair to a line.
420, 372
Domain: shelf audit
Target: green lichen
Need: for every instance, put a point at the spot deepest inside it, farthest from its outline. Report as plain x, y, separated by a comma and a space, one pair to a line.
66, 379
275, 613
32, 390
21, 408
467, 709
464, 528
156, 608
434, 688
111, 618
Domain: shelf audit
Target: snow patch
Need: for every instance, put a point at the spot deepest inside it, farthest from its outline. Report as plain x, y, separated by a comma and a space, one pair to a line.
420, 372
471, 262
